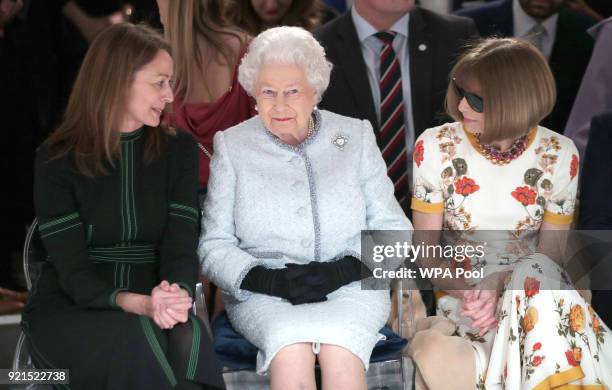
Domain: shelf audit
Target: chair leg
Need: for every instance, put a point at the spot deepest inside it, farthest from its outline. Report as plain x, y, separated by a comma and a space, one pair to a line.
407, 308
19, 350
199, 308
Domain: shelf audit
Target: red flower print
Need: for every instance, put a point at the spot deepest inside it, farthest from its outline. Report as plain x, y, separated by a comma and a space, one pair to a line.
525, 195
532, 287
536, 361
569, 355
574, 166
419, 152
465, 264
465, 186
537, 346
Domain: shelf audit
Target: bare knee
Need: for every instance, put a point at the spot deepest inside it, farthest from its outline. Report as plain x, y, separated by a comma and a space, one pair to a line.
295, 357
293, 367
341, 369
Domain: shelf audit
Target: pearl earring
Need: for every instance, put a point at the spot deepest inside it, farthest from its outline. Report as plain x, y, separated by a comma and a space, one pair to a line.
256, 109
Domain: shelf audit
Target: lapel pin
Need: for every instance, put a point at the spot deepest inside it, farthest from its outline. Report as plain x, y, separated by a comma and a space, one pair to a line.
422, 47
340, 141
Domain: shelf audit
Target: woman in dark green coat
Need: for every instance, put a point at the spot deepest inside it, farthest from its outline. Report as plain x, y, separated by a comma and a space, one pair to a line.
116, 197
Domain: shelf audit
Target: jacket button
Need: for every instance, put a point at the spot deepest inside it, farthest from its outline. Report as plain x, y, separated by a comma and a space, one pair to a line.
298, 184
301, 211
306, 243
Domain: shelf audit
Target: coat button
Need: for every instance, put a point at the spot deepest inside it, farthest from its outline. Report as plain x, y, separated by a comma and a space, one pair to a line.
297, 184
306, 243
301, 211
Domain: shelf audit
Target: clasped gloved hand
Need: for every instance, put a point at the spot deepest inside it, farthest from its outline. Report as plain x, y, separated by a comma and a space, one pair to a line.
304, 283
323, 278
287, 283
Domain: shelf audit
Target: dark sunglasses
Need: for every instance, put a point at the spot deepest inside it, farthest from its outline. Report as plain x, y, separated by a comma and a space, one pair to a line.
473, 100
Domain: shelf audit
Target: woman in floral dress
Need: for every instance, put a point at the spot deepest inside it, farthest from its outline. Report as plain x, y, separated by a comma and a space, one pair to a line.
495, 176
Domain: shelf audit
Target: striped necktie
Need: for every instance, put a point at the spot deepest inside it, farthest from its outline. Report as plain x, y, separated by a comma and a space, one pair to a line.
536, 35
392, 132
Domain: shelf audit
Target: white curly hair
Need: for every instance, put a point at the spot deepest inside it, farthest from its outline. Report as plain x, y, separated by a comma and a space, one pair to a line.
286, 45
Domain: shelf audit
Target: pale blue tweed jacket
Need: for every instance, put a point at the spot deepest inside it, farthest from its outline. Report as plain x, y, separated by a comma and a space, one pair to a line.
270, 203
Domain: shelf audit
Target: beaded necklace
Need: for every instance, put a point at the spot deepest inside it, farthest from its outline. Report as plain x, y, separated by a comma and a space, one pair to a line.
498, 157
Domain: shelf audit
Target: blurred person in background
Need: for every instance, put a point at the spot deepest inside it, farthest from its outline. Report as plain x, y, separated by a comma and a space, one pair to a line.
595, 205
595, 93
207, 51
58, 35
255, 16
338, 5
595, 9
8, 10
19, 127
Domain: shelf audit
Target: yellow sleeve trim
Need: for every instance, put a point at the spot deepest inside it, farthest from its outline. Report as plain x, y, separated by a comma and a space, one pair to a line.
439, 294
560, 381
424, 207
557, 219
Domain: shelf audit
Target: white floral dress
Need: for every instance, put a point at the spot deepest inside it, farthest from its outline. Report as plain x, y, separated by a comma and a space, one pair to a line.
547, 338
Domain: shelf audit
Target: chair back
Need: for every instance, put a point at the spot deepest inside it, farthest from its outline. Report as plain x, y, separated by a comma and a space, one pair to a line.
34, 254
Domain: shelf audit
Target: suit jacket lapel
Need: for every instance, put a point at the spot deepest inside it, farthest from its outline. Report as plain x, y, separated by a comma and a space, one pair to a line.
354, 67
421, 52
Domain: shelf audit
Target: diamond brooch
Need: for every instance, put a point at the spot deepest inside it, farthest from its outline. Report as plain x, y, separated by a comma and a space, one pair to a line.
340, 141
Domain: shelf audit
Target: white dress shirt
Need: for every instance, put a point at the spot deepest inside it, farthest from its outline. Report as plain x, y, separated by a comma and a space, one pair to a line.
523, 23
370, 49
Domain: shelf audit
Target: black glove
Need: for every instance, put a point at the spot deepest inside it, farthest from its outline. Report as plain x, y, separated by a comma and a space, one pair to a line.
325, 277
282, 283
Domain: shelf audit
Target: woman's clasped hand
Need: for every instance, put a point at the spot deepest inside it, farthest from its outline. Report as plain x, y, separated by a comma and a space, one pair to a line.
479, 306
480, 303
169, 305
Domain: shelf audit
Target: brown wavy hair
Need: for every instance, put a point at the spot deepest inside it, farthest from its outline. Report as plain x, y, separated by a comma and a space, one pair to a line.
302, 13
90, 126
515, 81
189, 22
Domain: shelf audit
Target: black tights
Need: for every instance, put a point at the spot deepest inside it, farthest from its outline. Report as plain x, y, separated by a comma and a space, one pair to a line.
180, 340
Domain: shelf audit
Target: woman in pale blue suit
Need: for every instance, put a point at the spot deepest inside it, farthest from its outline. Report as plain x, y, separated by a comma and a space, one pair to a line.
297, 185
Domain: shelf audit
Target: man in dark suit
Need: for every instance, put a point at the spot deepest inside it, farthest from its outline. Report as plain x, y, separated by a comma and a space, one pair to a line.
596, 208
560, 32
434, 42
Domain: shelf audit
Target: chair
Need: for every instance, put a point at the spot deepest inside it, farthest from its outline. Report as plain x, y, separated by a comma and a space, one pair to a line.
34, 254
389, 369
